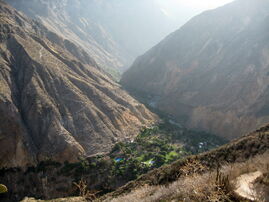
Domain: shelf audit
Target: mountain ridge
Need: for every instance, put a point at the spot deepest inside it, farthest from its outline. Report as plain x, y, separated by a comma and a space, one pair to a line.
55, 100
113, 32
82, 31
214, 66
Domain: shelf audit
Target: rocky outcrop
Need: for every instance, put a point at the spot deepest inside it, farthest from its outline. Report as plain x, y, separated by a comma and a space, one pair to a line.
55, 102
212, 73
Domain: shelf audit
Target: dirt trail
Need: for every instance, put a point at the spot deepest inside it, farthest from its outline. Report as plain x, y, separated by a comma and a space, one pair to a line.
244, 184
40, 52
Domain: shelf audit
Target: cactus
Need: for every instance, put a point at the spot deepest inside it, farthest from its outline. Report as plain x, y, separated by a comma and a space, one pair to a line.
3, 189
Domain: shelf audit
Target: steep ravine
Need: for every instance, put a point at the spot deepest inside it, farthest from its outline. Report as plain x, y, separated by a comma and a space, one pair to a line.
55, 101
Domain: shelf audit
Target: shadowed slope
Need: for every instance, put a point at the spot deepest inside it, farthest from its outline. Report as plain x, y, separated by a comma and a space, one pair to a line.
212, 73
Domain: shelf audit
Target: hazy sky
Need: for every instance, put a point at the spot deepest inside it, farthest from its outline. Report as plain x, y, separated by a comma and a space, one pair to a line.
201, 4
174, 8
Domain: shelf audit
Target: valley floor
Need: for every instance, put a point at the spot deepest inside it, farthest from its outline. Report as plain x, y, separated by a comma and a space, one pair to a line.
153, 147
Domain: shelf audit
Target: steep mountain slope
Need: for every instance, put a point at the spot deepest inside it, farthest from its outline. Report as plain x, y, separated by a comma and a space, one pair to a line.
69, 20
113, 32
55, 102
134, 24
212, 73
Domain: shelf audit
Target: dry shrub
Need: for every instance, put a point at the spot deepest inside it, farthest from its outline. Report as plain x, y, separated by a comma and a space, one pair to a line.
191, 188
195, 186
84, 192
258, 163
191, 167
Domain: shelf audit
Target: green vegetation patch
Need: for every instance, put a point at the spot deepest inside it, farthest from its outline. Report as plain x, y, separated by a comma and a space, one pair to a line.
151, 148
157, 146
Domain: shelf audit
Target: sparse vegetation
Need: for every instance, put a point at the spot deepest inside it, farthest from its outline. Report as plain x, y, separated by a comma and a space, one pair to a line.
240, 150
84, 192
62, 102
217, 185
153, 147
211, 174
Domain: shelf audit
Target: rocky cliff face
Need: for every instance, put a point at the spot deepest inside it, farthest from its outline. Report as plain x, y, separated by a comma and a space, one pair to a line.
55, 102
212, 73
70, 20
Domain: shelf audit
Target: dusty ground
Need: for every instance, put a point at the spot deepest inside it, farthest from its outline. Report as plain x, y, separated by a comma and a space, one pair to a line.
245, 185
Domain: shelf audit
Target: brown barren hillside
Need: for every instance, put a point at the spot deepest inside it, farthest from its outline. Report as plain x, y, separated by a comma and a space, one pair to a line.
212, 73
55, 102
70, 21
